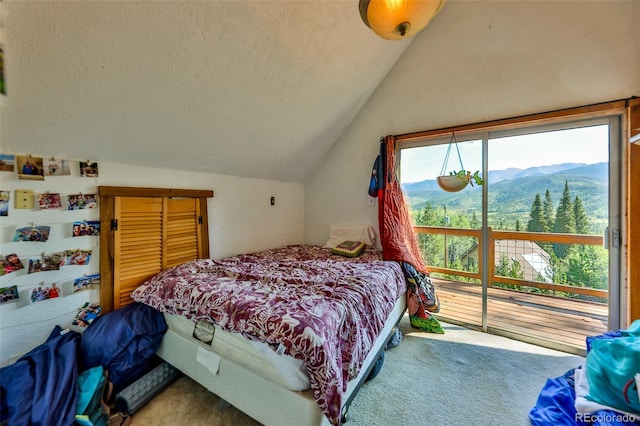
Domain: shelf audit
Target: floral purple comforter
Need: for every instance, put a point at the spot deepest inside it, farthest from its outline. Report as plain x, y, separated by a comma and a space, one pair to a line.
325, 309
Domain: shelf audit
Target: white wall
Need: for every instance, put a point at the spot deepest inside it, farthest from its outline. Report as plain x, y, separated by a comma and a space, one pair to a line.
498, 60
241, 220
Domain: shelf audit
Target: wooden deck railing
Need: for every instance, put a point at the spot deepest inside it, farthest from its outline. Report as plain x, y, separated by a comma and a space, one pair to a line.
513, 235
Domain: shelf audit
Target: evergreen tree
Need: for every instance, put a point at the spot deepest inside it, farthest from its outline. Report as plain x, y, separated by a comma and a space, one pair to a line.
536, 219
547, 212
515, 270
583, 225
588, 267
508, 268
565, 215
431, 246
502, 268
475, 222
558, 269
565, 220
428, 216
518, 225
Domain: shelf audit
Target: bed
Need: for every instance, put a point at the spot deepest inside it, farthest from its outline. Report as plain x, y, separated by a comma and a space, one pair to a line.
285, 335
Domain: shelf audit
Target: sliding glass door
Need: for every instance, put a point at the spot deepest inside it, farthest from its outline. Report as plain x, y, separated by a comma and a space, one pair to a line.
534, 252
553, 215
448, 224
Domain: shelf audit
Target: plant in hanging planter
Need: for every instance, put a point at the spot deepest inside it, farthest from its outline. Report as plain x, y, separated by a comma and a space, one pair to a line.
470, 177
457, 180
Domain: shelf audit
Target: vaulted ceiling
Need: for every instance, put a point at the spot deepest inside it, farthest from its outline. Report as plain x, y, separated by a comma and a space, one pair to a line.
246, 88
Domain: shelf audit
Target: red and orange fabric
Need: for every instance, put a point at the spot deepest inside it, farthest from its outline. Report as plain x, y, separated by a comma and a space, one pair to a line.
399, 242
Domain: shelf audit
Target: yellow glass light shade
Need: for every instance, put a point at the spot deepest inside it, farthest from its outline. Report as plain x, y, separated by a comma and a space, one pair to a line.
398, 19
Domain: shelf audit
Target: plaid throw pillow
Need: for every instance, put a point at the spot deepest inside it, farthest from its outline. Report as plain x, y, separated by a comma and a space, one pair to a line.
349, 248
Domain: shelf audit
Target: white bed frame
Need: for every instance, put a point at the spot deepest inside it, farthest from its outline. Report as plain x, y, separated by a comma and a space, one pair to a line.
268, 403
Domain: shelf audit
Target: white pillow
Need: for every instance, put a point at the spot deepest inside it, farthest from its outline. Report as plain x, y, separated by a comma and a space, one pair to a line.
341, 233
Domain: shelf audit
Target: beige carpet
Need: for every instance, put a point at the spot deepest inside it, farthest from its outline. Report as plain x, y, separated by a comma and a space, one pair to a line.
463, 377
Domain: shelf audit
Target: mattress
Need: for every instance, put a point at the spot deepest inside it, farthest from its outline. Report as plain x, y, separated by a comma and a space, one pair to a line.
303, 301
259, 357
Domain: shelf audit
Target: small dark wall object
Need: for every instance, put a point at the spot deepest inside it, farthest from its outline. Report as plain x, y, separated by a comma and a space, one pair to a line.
273, 201
3, 85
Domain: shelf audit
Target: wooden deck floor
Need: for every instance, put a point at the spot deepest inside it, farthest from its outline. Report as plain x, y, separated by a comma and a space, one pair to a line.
554, 322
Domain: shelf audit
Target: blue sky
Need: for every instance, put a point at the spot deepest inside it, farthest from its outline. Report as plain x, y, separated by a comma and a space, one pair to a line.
582, 145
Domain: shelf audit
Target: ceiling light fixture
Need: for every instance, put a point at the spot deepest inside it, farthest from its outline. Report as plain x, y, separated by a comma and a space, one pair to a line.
398, 19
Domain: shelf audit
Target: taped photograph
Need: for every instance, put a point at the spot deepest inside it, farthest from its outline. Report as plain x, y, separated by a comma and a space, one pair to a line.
86, 282
42, 292
81, 201
7, 163
31, 168
49, 201
86, 228
38, 234
4, 203
55, 167
88, 169
9, 294
11, 263
77, 257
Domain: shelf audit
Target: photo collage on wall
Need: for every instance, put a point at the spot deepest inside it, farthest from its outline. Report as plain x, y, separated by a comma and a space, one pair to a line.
46, 291
29, 167
37, 168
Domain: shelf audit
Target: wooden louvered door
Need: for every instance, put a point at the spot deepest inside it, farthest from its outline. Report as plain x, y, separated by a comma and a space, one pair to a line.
144, 231
182, 239
138, 244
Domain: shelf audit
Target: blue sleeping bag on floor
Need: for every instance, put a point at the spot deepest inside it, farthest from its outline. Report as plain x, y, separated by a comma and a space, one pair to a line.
124, 343
555, 407
40, 388
556, 402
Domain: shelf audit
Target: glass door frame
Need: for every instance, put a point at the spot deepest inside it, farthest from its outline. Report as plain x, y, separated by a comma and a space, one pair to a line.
616, 231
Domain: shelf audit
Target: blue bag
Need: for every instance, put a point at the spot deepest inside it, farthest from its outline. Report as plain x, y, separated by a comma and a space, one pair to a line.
611, 366
124, 343
40, 388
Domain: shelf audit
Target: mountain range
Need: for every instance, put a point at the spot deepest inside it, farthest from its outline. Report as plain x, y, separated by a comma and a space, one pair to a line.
511, 191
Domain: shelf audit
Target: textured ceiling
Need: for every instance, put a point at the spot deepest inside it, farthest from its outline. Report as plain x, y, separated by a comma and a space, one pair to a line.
246, 88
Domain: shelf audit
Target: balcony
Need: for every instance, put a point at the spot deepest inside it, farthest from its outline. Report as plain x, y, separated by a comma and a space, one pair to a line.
531, 308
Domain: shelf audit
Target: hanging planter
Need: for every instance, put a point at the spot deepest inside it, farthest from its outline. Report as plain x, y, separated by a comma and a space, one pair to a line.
457, 180
453, 183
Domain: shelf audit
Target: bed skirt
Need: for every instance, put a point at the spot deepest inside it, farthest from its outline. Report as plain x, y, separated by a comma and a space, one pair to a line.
264, 400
